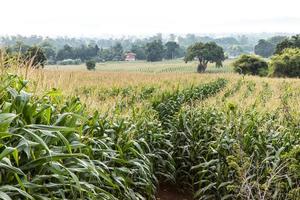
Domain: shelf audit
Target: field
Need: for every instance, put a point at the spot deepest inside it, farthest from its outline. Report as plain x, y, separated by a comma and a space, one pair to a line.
144, 130
142, 66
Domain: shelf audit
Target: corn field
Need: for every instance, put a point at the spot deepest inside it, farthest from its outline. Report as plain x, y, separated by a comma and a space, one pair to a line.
219, 138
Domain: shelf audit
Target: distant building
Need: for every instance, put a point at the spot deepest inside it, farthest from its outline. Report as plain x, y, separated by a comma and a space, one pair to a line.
130, 57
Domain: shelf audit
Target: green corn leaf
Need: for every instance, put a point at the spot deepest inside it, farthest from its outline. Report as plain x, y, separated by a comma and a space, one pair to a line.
4, 196
5, 121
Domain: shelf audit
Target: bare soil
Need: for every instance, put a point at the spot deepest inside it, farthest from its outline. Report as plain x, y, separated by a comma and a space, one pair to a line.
171, 192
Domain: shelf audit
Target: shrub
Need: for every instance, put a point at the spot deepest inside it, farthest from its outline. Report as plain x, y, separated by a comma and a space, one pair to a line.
90, 64
252, 65
286, 64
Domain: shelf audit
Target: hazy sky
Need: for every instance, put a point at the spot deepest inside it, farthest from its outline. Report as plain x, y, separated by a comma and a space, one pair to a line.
139, 17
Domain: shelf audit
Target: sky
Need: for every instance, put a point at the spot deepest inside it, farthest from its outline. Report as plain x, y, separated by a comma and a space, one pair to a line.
93, 18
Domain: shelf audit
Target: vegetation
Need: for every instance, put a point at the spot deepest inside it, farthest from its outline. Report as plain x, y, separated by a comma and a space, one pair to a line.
90, 65
139, 51
251, 65
215, 136
154, 51
293, 42
36, 56
83, 52
172, 49
205, 53
214, 139
266, 48
109, 49
286, 64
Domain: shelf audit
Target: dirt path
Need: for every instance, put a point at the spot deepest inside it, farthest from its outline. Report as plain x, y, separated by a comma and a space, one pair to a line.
169, 192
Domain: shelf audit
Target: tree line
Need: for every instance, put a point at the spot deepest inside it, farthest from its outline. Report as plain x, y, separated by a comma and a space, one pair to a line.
65, 50
152, 51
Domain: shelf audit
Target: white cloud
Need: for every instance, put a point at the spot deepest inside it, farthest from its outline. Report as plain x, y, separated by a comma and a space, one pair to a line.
122, 17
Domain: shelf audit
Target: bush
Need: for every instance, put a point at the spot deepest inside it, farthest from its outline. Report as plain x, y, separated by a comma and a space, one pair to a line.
90, 65
252, 65
286, 64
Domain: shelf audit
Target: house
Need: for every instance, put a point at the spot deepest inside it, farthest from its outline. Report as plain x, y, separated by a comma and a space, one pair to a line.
130, 56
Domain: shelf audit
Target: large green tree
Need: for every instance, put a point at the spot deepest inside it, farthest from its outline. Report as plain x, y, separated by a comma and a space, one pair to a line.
264, 48
205, 53
154, 51
171, 50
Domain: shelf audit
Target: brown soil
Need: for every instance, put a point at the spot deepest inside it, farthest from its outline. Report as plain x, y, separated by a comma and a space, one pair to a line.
170, 192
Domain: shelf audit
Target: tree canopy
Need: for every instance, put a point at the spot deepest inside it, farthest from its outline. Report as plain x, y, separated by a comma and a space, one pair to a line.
171, 49
264, 48
205, 53
293, 42
139, 50
286, 64
155, 51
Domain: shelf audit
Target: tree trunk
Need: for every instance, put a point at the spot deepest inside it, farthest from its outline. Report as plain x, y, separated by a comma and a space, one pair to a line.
201, 68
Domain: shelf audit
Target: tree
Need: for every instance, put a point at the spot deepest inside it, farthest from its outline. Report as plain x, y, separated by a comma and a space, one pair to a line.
277, 39
105, 55
252, 65
67, 52
18, 48
154, 51
235, 50
286, 64
36, 56
293, 42
264, 48
171, 50
205, 53
49, 51
226, 41
117, 52
140, 51
90, 65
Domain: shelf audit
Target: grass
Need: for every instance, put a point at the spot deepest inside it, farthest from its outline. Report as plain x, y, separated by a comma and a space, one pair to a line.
214, 135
